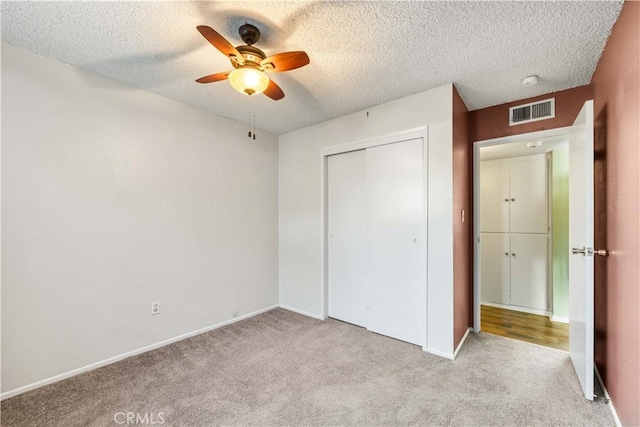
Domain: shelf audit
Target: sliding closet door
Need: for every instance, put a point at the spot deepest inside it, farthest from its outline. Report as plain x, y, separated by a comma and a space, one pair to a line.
396, 240
347, 223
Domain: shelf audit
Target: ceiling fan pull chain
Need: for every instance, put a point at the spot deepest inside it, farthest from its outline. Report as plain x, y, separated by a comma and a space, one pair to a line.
253, 123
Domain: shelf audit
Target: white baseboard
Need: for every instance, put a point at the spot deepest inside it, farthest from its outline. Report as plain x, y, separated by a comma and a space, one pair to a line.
114, 359
464, 338
559, 319
304, 313
606, 395
518, 308
440, 353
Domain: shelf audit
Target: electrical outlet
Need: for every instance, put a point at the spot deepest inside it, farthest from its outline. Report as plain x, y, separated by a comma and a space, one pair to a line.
155, 307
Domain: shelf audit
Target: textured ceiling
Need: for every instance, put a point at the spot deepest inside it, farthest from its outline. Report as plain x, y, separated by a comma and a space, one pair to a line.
362, 53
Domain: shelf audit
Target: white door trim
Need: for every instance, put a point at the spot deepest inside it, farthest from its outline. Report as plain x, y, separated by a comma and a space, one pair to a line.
476, 205
420, 132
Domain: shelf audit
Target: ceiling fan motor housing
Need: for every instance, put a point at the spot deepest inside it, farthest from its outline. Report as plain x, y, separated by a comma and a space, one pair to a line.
252, 56
249, 34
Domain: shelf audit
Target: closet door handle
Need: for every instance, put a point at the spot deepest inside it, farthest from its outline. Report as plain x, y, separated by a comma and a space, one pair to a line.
506, 253
506, 200
513, 200
513, 254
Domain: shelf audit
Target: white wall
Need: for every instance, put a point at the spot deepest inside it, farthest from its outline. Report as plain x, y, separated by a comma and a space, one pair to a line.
113, 197
300, 216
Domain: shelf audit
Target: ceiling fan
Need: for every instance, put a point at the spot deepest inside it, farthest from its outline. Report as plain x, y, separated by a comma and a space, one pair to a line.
251, 63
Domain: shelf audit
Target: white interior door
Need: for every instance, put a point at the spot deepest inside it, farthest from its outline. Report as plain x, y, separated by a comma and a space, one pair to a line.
581, 240
347, 251
396, 243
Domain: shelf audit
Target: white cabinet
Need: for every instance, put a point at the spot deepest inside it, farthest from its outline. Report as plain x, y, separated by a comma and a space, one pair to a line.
528, 201
494, 196
514, 195
514, 226
377, 246
513, 269
495, 261
528, 273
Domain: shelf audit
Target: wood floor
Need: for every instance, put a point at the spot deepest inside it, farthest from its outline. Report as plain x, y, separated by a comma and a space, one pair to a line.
525, 327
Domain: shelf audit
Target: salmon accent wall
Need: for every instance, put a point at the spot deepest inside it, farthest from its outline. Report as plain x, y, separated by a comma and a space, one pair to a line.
616, 92
462, 200
493, 122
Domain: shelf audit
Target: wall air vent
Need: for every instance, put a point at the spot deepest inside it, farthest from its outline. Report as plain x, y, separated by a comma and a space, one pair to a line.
540, 110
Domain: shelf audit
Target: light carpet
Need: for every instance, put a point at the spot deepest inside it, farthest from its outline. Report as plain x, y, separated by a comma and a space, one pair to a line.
281, 368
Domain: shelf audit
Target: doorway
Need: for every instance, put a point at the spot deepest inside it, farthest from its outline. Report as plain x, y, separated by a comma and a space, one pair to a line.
521, 187
580, 138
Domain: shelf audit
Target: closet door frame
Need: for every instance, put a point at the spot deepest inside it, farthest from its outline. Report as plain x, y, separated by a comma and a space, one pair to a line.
417, 133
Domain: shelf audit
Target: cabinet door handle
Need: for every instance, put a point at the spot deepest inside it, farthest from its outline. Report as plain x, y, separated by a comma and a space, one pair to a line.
506, 200
513, 254
513, 200
506, 253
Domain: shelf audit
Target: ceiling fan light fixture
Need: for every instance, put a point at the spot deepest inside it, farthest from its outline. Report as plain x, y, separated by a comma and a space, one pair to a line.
249, 81
250, 63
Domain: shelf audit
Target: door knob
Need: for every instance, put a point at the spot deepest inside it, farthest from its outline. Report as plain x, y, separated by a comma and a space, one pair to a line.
590, 251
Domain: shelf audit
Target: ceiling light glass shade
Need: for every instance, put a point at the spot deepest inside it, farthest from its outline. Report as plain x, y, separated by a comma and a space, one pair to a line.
248, 81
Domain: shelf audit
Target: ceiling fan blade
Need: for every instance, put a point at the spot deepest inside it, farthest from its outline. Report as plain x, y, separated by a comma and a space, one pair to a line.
273, 91
214, 77
220, 43
285, 61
